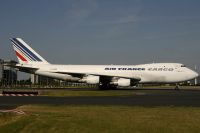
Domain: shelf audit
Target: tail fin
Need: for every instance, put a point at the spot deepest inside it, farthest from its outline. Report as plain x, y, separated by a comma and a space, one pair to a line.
25, 54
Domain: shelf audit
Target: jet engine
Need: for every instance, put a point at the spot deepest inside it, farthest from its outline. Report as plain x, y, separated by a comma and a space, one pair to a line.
123, 82
91, 79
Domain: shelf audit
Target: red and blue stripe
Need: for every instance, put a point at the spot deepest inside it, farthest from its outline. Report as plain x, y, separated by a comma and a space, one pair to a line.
25, 51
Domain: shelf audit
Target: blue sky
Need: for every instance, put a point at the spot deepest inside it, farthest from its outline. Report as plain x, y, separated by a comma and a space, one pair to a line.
104, 31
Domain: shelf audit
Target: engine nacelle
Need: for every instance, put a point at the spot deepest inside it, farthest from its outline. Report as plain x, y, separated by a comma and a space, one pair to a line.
123, 82
91, 79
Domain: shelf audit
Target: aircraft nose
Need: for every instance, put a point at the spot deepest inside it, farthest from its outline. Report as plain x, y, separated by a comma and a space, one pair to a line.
195, 74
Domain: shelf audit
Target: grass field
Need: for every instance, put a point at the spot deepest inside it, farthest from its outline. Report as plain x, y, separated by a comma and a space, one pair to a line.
95, 92
88, 93
117, 92
103, 119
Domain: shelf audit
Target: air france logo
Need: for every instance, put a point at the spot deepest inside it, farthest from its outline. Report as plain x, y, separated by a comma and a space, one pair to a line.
124, 69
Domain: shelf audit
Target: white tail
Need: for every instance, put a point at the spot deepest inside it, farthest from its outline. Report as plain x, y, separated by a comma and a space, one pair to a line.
25, 54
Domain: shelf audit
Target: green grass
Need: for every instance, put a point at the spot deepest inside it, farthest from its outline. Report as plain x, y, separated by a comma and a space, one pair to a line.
106, 119
7, 118
95, 92
87, 93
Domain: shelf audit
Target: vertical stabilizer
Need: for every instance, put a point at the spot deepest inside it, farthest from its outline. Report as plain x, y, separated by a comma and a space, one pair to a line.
25, 54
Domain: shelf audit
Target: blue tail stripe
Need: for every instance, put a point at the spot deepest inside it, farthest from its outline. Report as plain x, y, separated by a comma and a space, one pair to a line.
27, 56
26, 49
22, 50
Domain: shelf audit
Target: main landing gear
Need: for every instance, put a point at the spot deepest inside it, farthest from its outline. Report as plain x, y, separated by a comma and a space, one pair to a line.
177, 87
106, 87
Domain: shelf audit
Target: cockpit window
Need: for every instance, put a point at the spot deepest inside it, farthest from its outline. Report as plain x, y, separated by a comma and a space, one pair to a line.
183, 66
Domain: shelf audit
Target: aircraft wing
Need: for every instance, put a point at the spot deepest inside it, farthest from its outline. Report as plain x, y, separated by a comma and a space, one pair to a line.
22, 67
79, 74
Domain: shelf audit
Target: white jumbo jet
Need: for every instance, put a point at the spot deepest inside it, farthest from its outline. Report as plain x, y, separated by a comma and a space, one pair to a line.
106, 76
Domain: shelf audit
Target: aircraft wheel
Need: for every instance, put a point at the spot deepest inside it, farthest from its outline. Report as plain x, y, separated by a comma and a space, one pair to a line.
177, 87
106, 87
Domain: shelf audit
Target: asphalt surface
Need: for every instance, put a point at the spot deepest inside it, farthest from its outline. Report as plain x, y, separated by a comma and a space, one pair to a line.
141, 97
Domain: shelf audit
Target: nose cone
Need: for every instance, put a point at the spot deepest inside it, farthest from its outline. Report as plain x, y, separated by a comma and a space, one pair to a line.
194, 74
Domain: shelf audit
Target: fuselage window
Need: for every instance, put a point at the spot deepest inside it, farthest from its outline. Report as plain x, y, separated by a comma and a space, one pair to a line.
183, 66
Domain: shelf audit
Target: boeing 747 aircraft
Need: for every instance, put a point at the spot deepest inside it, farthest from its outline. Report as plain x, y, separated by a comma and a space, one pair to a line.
105, 76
